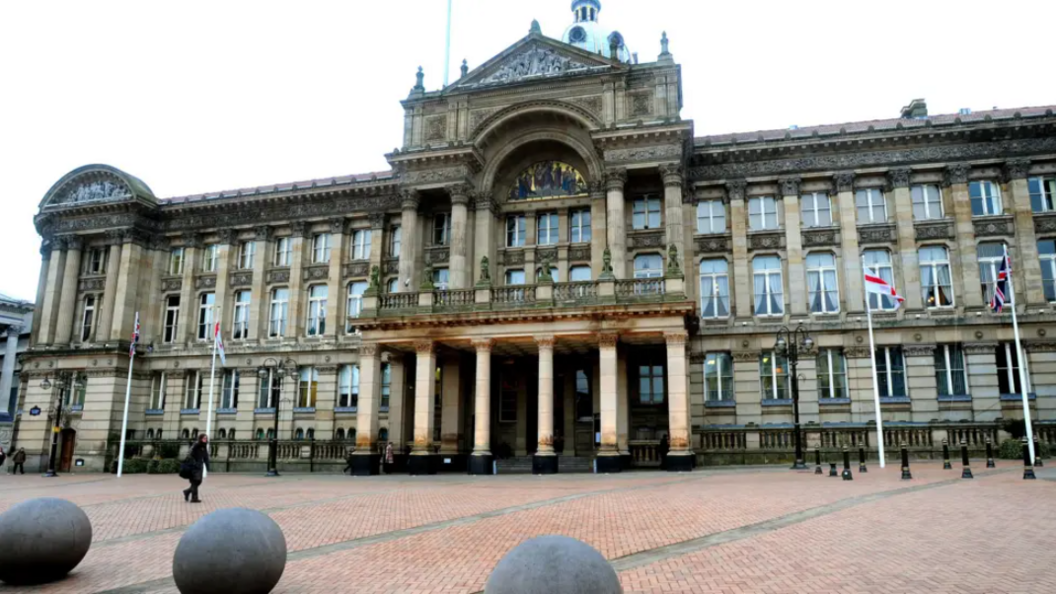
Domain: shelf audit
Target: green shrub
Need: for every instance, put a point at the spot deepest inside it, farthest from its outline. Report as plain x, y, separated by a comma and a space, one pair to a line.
169, 450
169, 466
1015, 427
152, 466
1012, 449
135, 466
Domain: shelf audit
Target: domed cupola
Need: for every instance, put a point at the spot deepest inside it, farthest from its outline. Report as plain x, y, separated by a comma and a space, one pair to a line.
586, 34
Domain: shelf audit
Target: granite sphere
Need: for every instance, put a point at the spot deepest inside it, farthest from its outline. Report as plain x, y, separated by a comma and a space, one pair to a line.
230, 551
551, 565
42, 540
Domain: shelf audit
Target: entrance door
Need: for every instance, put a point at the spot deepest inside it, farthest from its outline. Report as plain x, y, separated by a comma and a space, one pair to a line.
69, 438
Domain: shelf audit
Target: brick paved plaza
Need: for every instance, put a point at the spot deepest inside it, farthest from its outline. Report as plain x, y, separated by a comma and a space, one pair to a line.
723, 530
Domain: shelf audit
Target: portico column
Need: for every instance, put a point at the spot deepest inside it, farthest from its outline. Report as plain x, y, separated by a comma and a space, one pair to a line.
623, 419
1028, 265
366, 457
106, 312
614, 182
408, 244
742, 283
461, 278
7, 374
68, 300
422, 456
680, 457
480, 460
598, 228
964, 231
797, 274
52, 290
671, 173
907, 238
608, 459
545, 459
852, 259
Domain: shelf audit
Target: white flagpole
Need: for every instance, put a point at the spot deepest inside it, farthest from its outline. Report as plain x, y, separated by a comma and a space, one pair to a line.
447, 45
876, 381
124, 416
1020, 357
212, 383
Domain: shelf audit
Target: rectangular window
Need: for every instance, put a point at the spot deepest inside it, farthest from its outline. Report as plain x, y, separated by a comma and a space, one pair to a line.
229, 390
172, 319
210, 258
442, 229
246, 250
823, 294
579, 274
648, 266
355, 300
193, 395
206, 309
985, 197
762, 213
317, 295
989, 256
1047, 254
441, 278
507, 399
307, 386
94, 261
651, 383
714, 288
270, 386
88, 318
935, 280
280, 303
927, 202
515, 277
348, 387
718, 377
766, 279
361, 244
546, 229
283, 249
1008, 369
879, 262
832, 374
711, 216
950, 373
157, 391
386, 385
872, 206
395, 239
891, 372
176, 261
580, 226
240, 326
773, 376
584, 399
320, 248
645, 213
1042, 193
76, 396
515, 230
815, 209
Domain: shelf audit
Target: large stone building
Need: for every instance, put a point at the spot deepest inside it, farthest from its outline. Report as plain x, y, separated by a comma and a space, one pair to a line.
16, 320
556, 266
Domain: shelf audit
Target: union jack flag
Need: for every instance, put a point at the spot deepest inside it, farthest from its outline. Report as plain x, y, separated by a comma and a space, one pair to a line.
135, 338
997, 303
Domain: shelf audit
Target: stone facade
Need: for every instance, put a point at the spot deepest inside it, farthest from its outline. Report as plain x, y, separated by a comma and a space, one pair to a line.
551, 219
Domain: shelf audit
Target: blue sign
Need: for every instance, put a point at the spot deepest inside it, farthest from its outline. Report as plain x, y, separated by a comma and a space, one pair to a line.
34, 411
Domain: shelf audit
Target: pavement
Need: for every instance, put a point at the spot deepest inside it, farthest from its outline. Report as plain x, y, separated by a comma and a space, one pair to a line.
721, 530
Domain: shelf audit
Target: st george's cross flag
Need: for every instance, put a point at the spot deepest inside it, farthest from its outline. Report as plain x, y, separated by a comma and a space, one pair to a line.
875, 284
997, 302
219, 343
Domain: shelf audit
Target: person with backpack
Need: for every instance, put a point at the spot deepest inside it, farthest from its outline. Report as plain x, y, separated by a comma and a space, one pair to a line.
192, 468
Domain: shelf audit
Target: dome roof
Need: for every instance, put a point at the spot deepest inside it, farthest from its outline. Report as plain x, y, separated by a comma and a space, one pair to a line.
589, 35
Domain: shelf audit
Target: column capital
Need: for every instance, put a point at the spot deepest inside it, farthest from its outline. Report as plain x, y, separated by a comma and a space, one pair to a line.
298, 228
424, 347
368, 349
73, 242
671, 174
460, 193
227, 236
735, 189
13, 331
264, 232
597, 189
159, 243
193, 240
843, 181
919, 350
409, 199
956, 173
676, 338
338, 225
615, 179
790, 185
608, 339
1016, 169
483, 345
377, 220
545, 342
898, 178
114, 236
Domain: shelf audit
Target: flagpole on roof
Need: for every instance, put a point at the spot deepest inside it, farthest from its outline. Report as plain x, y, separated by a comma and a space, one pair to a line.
876, 384
128, 393
1020, 358
447, 45
212, 383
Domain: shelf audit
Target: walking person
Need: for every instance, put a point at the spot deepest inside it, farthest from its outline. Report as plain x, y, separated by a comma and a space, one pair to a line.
3, 456
199, 458
389, 458
665, 446
19, 460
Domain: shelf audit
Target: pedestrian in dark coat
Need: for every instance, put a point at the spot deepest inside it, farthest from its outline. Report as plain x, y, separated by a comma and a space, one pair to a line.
19, 460
200, 455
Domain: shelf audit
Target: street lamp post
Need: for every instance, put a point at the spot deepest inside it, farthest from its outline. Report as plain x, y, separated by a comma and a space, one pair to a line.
789, 345
65, 381
268, 368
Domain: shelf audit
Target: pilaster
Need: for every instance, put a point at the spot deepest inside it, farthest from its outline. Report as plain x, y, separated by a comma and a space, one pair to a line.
68, 299
106, 311
337, 292
742, 283
1028, 267
957, 185
898, 180
461, 238
258, 310
409, 243
52, 292
854, 292
615, 180
295, 319
797, 275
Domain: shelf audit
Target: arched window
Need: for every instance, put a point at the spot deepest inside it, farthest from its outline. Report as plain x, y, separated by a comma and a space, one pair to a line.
310, 434
383, 435
231, 434
150, 434
223, 434
299, 435
352, 434
260, 434
194, 433
340, 435
271, 434
158, 434
186, 434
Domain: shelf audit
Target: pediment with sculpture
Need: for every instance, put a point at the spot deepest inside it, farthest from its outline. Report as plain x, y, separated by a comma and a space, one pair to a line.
94, 184
533, 60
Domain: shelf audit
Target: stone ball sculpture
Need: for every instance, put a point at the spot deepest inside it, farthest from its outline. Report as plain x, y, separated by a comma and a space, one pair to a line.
230, 551
553, 565
42, 540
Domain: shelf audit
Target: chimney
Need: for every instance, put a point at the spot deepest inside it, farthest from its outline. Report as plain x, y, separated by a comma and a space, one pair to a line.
916, 110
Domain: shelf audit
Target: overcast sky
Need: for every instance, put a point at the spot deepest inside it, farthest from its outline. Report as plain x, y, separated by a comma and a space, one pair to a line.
203, 96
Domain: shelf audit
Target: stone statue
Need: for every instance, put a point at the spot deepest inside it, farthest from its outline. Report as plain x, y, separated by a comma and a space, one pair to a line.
427, 278
375, 278
606, 262
544, 270
485, 274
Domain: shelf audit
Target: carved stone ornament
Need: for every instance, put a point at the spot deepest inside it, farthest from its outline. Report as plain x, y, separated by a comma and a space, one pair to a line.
843, 181
817, 237
319, 272
479, 115
615, 179
885, 234
356, 269
644, 153
591, 104
91, 284
264, 232
790, 185
437, 255
608, 339
990, 228
392, 266
483, 345
1044, 224
227, 236
1039, 346
485, 272
205, 282
857, 352
898, 178
919, 350
435, 128
424, 347
241, 278
95, 191
278, 275
546, 255
671, 173
957, 173
716, 243
533, 62
368, 349
766, 241
1017, 169
578, 253
746, 356
377, 220
980, 348
338, 226
674, 269
193, 240
409, 199
545, 342
641, 103
513, 258
171, 284
646, 240
298, 228
933, 231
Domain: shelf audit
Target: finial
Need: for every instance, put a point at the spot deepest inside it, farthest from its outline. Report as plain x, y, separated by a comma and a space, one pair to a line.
536, 29
663, 44
465, 68
420, 78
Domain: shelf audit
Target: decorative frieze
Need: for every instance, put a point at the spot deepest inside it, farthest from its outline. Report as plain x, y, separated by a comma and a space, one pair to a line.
877, 234
644, 153
746, 356
392, 266
766, 241
712, 243
1044, 223
173, 283
356, 269
437, 255
431, 176
299, 207
316, 273
646, 240
641, 103
857, 352
843, 181
919, 350
207, 281
578, 253
513, 258
435, 128
992, 227
980, 348
819, 237
94, 283
278, 275
926, 231
241, 278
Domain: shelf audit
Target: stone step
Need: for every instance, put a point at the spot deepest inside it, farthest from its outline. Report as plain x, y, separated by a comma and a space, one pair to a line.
523, 464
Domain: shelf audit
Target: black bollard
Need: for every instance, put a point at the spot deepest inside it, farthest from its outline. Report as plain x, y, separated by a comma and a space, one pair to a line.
847, 465
946, 455
966, 472
861, 460
990, 454
832, 469
906, 475
817, 461
1037, 453
1028, 468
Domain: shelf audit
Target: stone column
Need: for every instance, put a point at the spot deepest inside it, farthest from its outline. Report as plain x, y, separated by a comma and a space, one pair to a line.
129, 286
1028, 267
680, 457
295, 317
598, 228
423, 459
853, 293
907, 257
42, 279
68, 299
920, 381
461, 269
615, 221
451, 422
397, 404
188, 306
485, 241
52, 291
672, 176
608, 459
545, 459
259, 297
480, 462
377, 239
957, 184
106, 311
336, 292
623, 417
797, 274
7, 373
742, 279
366, 458
226, 250
409, 242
